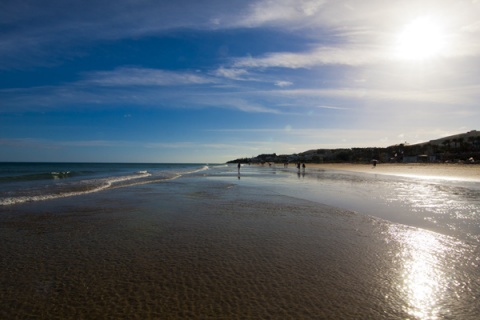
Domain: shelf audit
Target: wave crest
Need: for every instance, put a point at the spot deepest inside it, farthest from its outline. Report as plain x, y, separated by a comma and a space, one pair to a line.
76, 189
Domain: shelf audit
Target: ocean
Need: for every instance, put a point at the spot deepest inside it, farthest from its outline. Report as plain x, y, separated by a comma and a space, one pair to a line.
203, 241
29, 182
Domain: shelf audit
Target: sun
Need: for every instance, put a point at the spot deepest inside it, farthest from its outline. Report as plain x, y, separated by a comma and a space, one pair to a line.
421, 39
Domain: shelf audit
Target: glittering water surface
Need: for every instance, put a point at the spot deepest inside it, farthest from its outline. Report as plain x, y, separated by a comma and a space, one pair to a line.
256, 246
430, 281
448, 206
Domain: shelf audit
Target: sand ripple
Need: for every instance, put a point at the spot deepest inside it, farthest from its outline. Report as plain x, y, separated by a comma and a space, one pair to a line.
225, 252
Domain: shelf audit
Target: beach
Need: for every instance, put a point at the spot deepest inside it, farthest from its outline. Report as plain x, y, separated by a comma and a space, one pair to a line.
216, 244
440, 170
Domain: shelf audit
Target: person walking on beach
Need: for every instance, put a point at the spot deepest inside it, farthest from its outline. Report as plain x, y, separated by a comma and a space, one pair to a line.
303, 167
238, 166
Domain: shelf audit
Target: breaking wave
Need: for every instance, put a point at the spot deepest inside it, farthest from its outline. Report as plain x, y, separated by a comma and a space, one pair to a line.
61, 187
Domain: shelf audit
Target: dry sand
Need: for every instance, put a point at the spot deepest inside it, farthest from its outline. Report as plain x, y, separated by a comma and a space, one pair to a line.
440, 170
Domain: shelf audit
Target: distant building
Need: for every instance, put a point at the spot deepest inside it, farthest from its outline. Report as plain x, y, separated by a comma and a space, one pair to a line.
410, 159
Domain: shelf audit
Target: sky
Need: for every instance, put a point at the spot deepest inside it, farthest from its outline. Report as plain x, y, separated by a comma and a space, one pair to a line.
210, 81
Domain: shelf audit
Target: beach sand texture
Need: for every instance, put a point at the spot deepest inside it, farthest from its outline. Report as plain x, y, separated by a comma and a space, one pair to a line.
216, 248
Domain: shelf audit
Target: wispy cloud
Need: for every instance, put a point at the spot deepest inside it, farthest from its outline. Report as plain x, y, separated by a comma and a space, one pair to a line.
231, 73
127, 76
290, 139
459, 95
352, 56
93, 143
186, 145
332, 107
352, 34
227, 101
169, 145
281, 11
41, 30
38, 143
357, 34
283, 83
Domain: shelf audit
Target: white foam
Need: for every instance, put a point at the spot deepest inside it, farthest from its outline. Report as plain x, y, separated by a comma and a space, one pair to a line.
98, 185
198, 170
102, 184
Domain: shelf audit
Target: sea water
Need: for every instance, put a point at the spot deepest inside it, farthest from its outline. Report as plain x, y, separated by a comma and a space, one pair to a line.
195, 241
30, 182
445, 205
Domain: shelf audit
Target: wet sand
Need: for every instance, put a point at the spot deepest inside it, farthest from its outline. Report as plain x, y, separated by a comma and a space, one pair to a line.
200, 248
441, 170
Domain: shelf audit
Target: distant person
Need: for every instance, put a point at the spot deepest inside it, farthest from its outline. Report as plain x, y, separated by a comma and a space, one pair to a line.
238, 166
303, 167
374, 163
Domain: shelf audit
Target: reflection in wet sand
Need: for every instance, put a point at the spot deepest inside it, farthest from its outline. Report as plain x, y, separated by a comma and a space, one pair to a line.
424, 285
223, 248
434, 272
448, 207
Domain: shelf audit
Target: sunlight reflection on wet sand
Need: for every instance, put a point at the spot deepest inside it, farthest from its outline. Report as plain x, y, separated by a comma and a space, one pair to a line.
218, 248
431, 270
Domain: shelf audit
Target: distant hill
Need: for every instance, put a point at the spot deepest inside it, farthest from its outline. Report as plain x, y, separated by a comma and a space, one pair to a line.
457, 138
463, 147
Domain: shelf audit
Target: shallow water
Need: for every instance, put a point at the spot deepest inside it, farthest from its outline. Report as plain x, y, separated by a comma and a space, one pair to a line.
210, 245
451, 207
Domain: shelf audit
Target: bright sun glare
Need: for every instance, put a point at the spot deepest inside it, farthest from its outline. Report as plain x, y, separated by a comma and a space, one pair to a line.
421, 39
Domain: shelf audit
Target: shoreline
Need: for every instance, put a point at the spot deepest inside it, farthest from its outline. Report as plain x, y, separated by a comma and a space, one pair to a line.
450, 171
218, 247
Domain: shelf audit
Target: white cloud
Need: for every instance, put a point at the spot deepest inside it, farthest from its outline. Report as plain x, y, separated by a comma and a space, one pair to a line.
352, 56
453, 96
283, 83
332, 107
231, 73
51, 32
35, 32
358, 33
145, 77
242, 105
472, 27
262, 12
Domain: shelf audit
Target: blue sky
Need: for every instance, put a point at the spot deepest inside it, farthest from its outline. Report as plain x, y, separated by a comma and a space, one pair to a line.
210, 81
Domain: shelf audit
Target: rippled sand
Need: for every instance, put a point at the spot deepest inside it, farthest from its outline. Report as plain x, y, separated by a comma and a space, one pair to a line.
206, 249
